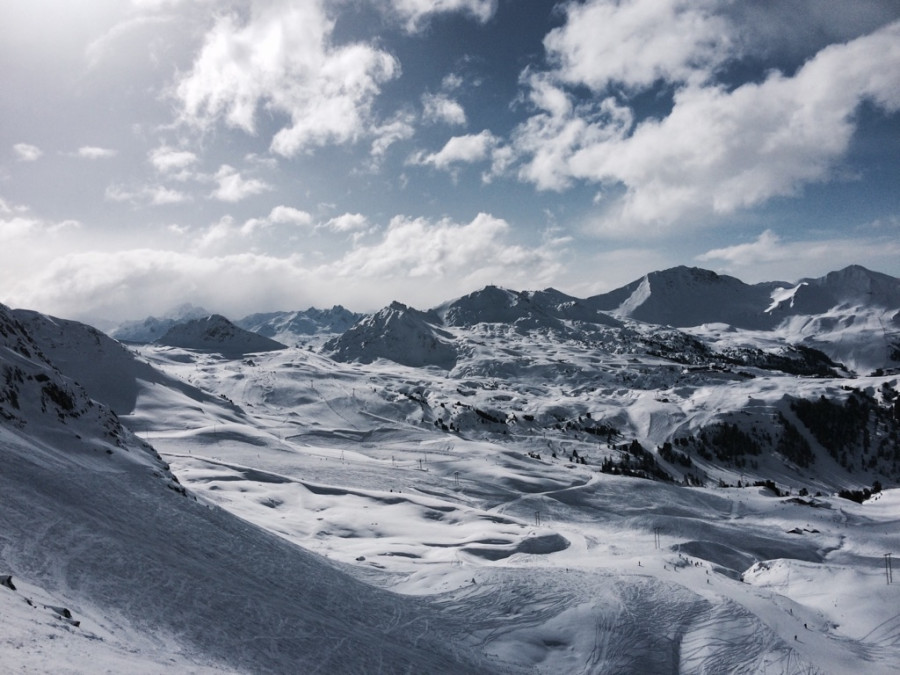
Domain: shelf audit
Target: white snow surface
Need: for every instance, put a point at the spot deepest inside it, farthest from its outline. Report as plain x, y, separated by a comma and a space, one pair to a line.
368, 516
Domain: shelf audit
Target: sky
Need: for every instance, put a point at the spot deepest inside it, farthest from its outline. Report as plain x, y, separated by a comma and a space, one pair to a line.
262, 155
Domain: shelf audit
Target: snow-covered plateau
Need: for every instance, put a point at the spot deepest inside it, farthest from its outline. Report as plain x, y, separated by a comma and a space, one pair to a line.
688, 474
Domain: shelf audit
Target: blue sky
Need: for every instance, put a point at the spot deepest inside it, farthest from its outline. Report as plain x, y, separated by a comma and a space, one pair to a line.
260, 155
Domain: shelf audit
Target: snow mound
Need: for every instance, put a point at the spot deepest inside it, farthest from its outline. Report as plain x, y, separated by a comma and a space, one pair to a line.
217, 334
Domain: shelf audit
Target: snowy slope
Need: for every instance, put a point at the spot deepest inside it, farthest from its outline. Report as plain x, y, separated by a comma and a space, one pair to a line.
555, 567
110, 373
94, 521
466, 477
217, 334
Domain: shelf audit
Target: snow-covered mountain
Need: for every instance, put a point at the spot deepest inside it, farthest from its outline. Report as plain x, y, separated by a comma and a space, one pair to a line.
853, 315
689, 296
527, 310
152, 328
399, 334
111, 373
511, 482
300, 327
217, 334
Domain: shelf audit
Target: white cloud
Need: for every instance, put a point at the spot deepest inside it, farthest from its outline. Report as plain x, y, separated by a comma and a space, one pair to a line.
280, 58
27, 152
415, 248
94, 152
767, 247
154, 195
416, 12
16, 228
435, 255
289, 215
451, 82
769, 256
638, 42
400, 128
220, 233
461, 150
440, 108
553, 135
138, 282
166, 159
719, 150
233, 187
347, 222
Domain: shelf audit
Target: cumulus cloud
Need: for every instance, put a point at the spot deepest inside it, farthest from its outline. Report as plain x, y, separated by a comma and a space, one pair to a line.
233, 187
17, 227
766, 248
27, 152
290, 215
435, 255
719, 150
94, 152
635, 43
560, 128
280, 58
466, 149
135, 283
440, 108
769, 256
415, 248
400, 128
416, 12
152, 195
347, 222
166, 159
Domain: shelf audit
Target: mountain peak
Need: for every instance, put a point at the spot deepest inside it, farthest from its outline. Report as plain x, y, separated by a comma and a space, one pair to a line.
398, 333
216, 333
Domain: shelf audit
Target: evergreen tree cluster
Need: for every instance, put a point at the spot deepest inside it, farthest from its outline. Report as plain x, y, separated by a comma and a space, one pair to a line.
859, 432
727, 442
792, 445
635, 461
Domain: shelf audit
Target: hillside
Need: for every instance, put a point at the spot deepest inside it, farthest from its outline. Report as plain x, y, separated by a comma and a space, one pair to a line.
77, 492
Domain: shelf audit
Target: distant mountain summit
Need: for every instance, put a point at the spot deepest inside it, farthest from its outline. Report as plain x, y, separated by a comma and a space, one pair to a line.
852, 286
526, 309
398, 333
300, 326
215, 333
690, 296
152, 328
853, 314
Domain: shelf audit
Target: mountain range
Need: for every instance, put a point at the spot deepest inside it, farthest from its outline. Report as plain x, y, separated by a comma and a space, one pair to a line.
686, 474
